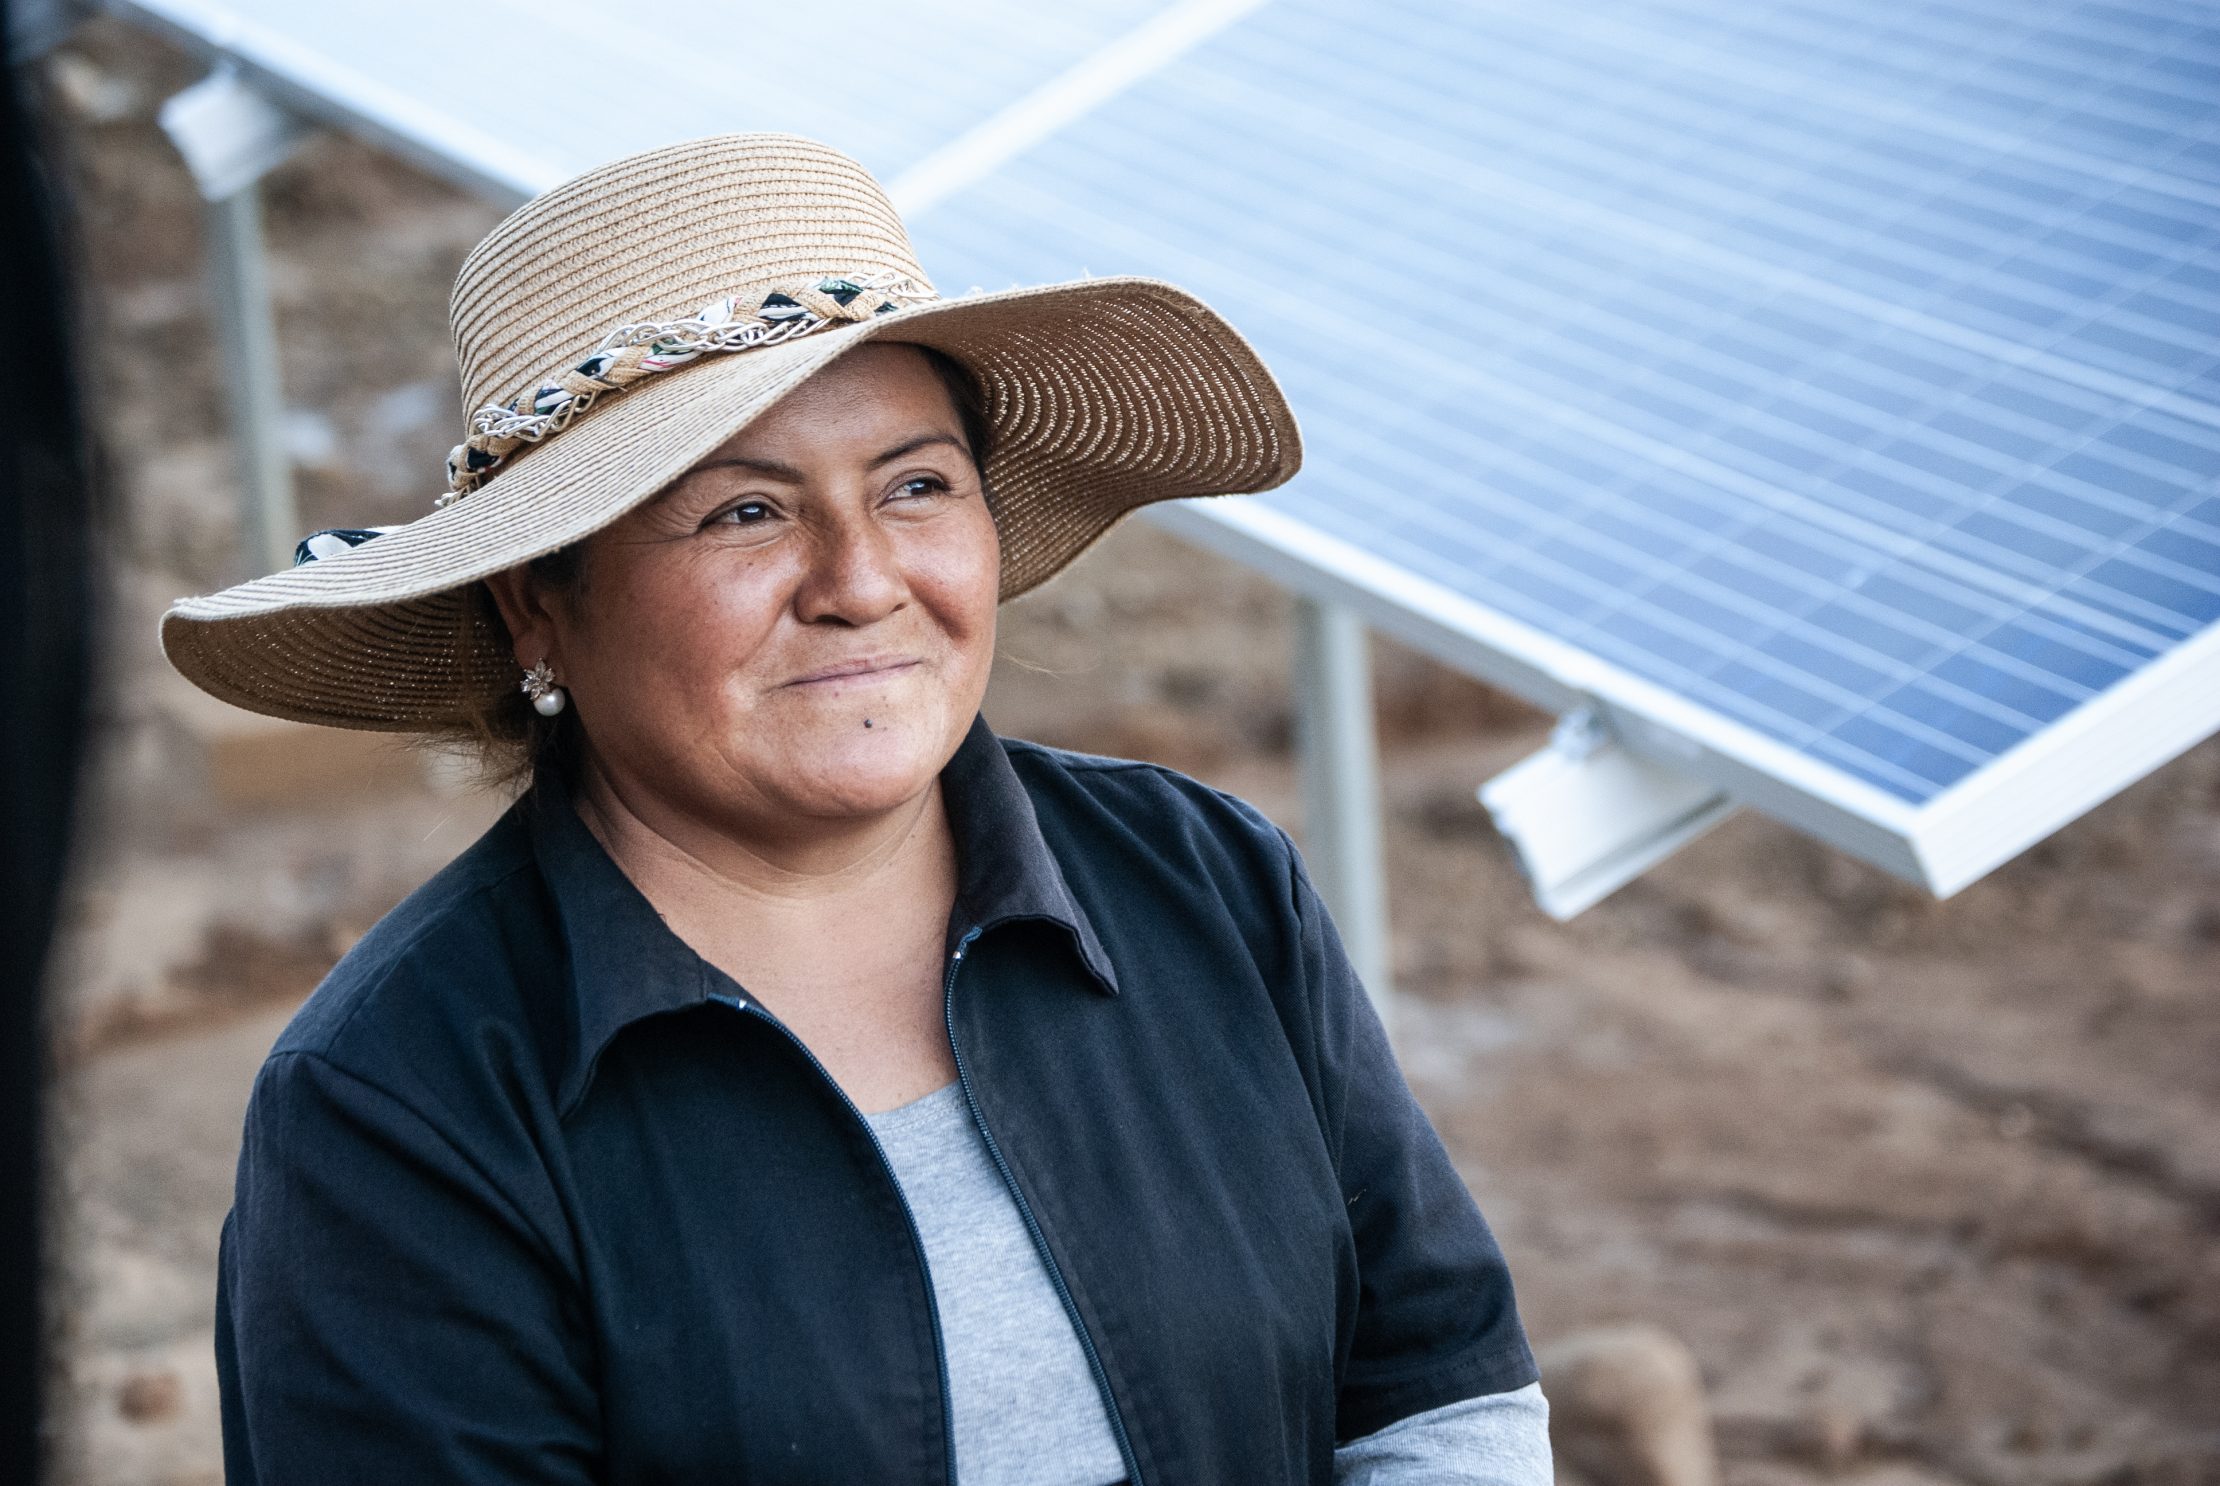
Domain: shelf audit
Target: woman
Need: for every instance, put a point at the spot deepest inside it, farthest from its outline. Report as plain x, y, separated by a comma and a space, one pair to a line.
800, 1082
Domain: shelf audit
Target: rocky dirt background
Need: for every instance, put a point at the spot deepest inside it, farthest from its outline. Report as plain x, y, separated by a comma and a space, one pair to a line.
1930, 1190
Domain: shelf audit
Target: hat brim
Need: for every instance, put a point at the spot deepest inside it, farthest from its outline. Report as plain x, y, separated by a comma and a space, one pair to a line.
1105, 394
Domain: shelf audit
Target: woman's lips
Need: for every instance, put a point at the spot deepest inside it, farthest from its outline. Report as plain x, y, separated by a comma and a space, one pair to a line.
871, 670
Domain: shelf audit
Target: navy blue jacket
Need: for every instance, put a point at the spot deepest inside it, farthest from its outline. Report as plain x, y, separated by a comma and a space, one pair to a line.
532, 1193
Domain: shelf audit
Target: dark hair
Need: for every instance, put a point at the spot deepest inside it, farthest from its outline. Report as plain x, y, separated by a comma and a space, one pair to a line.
970, 399
502, 734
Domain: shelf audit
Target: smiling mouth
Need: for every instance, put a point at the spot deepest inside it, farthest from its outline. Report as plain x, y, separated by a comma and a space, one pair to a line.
869, 671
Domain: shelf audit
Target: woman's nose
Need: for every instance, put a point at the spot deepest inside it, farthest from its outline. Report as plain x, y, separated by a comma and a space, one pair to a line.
855, 574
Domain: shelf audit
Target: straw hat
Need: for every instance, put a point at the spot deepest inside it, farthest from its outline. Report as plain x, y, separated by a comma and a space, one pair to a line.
614, 331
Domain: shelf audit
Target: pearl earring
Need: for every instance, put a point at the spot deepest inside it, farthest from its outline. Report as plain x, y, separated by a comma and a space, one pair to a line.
547, 698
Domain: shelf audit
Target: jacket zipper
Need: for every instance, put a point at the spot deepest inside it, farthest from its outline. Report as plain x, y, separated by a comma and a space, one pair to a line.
1032, 1224
917, 1241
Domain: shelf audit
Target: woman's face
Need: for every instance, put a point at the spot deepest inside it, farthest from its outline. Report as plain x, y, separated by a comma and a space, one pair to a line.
800, 628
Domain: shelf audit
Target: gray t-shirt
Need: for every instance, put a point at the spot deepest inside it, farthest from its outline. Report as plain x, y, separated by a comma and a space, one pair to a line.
1026, 1409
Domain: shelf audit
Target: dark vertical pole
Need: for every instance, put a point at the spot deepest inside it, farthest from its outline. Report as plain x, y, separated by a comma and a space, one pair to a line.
44, 640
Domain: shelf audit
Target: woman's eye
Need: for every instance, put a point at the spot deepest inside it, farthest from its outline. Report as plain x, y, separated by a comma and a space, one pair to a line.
933, 484
747, 513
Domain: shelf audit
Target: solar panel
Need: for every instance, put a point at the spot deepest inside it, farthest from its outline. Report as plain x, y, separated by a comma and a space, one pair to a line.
1847, 371
515, 98
1823, 393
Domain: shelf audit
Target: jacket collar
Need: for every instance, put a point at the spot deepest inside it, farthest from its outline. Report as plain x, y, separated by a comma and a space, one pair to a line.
626, 963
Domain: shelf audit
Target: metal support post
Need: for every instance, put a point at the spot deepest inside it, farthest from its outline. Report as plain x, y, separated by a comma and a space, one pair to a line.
248, 333
230, 136
1336, 744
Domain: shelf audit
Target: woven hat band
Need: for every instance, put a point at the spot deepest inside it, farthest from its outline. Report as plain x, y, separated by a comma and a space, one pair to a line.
629, 354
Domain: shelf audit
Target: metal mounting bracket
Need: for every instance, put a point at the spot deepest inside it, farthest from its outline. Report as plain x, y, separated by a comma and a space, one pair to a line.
1587, 814
229, 134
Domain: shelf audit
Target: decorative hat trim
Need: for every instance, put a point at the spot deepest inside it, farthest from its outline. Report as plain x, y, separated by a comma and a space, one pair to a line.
334, 540
631, 353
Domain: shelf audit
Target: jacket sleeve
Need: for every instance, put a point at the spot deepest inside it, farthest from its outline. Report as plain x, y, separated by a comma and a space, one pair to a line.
1435, 1319
384, 1313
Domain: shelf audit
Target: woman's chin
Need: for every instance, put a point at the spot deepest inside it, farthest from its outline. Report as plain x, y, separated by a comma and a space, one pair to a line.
861, 767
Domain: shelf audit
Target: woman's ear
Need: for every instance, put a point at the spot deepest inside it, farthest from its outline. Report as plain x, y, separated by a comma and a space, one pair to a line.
524, 605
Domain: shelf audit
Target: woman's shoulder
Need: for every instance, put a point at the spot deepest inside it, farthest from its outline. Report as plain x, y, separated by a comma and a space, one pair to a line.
402, 977
1154, 818
1123, 783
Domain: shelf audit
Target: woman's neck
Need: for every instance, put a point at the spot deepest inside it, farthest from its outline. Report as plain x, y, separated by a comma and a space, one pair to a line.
743, 899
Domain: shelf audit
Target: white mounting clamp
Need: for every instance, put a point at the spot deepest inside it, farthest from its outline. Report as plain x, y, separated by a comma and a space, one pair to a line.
230, 134
1587, 815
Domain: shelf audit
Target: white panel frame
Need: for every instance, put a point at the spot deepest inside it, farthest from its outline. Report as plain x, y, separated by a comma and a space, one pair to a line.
2126, 731
1965, 832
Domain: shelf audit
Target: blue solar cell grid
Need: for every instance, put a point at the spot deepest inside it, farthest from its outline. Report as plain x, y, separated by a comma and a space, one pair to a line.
527, 95
1853, 370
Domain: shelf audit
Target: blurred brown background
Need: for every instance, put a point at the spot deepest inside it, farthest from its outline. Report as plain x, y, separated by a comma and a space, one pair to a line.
1930, 1190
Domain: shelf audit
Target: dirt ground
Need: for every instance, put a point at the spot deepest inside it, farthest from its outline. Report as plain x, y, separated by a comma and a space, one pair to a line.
1932, 1190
